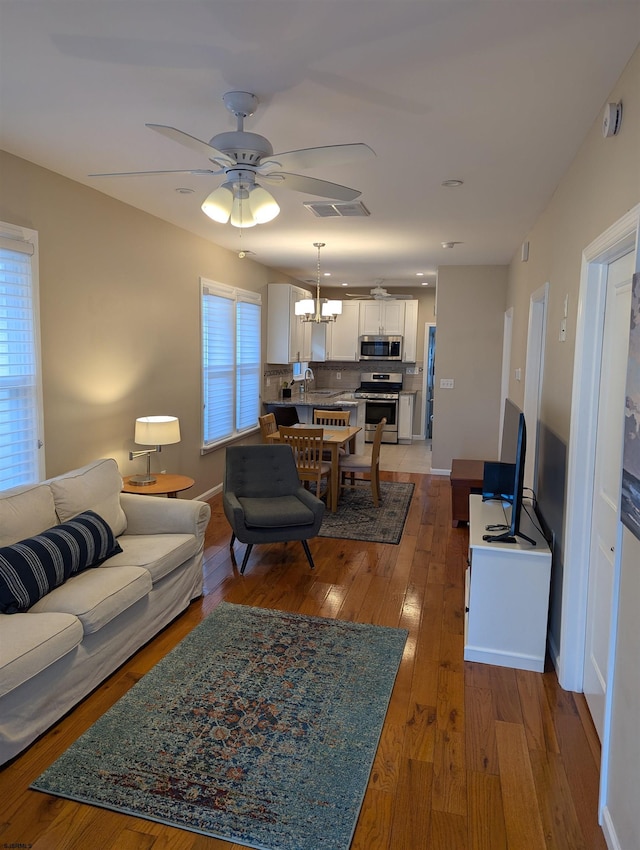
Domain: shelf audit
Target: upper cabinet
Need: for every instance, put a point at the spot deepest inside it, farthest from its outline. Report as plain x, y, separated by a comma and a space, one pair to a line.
381, 317
342, 335
410, 336
288, 339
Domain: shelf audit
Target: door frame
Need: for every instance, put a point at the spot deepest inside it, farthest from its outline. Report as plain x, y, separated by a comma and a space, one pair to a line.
534, 370
616, 241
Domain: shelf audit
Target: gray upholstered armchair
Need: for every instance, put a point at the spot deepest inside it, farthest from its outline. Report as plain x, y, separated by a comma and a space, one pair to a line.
264, 500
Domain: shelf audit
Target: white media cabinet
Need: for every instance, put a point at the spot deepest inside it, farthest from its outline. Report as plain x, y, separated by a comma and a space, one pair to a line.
506, 593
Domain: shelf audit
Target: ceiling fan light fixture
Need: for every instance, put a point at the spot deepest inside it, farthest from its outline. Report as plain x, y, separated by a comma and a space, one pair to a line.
262, 205
241, 215
219, 203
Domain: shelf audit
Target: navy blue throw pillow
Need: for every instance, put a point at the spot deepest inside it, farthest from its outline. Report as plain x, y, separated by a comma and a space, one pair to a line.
33, 567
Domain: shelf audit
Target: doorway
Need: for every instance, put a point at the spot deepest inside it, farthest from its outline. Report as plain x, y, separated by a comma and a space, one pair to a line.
618, 240
606, 487
429, 379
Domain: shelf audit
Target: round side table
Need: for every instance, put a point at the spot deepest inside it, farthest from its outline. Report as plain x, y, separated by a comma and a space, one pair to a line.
165, 484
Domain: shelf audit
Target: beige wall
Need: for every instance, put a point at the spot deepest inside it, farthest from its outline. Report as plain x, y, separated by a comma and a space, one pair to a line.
601, 185
470, 305
120, 321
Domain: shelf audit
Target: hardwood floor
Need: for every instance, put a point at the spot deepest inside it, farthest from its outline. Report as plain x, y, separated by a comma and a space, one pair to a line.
472, 757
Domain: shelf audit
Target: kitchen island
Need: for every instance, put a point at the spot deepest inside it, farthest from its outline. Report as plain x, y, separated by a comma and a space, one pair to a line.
305, 403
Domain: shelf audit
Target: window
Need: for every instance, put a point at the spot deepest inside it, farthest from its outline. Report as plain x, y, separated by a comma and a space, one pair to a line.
231, 369
21, 451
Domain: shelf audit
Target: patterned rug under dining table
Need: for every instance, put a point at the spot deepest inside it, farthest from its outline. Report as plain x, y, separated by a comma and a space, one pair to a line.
333, 438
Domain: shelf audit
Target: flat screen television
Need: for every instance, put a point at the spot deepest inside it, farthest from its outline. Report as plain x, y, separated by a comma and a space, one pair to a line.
511, 472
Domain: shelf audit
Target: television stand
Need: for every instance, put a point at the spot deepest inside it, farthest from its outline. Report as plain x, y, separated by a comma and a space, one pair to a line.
506, 593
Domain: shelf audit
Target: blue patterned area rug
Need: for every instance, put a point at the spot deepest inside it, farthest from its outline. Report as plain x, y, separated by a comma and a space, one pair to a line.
357, 518
259, 728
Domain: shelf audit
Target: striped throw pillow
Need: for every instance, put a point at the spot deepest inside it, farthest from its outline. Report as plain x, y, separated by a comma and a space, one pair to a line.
33, 567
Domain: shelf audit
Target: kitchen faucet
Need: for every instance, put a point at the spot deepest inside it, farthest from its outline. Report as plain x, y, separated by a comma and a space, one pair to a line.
308, 374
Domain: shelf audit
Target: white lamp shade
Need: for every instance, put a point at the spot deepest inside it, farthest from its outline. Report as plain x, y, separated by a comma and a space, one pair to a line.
305, 307
157, 430
332, 308
263, 205
218, 205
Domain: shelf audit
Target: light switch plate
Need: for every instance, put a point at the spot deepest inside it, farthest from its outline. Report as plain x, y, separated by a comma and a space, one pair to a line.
446, 383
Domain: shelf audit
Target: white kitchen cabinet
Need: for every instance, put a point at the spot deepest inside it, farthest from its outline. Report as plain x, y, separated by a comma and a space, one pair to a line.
342, 335
288, 339
381, 317
506, 593
406, 403
410, 335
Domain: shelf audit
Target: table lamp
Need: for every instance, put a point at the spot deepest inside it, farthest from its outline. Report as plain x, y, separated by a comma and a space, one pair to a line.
156, 431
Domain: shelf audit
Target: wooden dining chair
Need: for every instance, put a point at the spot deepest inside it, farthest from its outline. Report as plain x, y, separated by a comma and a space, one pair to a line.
307, 451
329, 418
267, 426
364, 465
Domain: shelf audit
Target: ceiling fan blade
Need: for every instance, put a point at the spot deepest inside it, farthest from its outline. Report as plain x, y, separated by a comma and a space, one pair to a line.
312, 186
322, 156
194, 144
197, 171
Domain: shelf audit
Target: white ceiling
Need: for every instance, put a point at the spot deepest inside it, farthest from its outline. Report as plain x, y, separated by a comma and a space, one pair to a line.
498, 94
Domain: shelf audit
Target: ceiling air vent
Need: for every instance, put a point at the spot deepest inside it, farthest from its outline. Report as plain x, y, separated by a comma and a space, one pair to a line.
323, 209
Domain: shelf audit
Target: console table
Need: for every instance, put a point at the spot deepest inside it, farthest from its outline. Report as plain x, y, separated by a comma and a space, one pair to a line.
466, 478
506, 593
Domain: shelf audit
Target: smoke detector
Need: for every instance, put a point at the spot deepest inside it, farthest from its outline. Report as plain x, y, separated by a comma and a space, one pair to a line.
612, 119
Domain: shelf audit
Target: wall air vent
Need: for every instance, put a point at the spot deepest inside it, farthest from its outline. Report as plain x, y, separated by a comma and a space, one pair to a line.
325, 209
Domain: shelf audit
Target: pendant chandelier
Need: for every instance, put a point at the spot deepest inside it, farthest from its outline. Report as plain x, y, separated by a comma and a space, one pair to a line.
320, 309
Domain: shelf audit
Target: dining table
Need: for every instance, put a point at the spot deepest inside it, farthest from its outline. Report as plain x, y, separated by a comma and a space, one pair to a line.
334, 437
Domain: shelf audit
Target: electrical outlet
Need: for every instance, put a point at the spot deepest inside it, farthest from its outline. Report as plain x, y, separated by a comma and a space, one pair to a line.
338, 376
446, 383
268, 382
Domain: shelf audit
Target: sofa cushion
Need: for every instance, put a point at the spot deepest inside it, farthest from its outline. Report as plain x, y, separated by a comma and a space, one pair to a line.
276, 512
29, 643
25, 511
97, 596
94, 487
158, 553
31, 568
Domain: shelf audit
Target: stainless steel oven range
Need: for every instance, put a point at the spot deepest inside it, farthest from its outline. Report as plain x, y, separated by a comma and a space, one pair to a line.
381, 391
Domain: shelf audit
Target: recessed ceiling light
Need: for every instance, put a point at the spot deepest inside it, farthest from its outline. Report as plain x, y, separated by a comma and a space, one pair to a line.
183, 190
450, 244
419, 274
344, 284
452, 184
425, 283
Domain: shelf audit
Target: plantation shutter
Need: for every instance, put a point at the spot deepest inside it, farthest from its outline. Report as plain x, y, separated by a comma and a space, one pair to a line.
230, 361
21, 460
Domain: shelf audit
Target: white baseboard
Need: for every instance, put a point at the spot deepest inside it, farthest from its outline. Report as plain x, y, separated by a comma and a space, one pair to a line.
209, 493
609, 831
440, 472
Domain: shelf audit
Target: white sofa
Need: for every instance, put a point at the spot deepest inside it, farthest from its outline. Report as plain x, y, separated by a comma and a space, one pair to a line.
65, 644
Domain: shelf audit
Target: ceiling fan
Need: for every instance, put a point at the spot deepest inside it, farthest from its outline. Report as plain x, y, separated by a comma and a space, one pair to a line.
243, 156
379, 293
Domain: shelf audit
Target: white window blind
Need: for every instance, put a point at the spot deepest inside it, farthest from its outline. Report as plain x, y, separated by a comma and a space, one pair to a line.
231, 368
21, 457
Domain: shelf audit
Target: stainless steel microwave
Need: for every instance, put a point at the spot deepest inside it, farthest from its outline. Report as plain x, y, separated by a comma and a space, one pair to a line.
380, 347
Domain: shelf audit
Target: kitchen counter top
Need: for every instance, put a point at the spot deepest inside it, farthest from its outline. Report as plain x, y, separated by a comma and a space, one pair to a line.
324, 398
